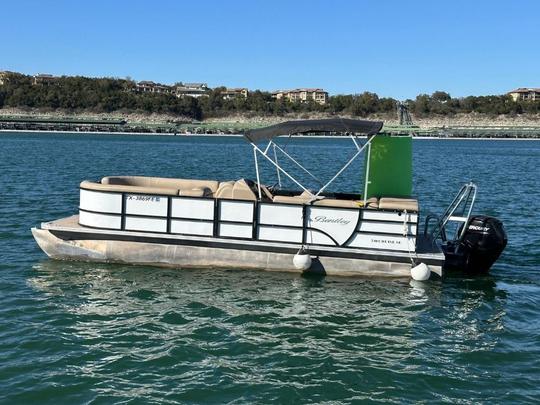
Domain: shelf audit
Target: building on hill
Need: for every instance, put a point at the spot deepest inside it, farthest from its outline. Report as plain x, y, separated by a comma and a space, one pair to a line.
232, 93
4, 76
43, 78
191, 90
302, 95
147, 86
525, 93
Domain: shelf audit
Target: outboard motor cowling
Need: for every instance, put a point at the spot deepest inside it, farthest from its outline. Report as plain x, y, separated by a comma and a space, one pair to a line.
481, 245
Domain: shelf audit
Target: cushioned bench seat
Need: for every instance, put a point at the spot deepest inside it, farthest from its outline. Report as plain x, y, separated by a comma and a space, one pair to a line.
90, 185
238, 190
402, 204
195, 192
325, 202
161, 182
154, 185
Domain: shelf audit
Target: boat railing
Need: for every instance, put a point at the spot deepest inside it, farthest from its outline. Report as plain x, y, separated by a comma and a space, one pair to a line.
430, 218
458, 212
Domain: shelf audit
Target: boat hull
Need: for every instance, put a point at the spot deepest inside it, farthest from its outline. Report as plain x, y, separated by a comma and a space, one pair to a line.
83, 244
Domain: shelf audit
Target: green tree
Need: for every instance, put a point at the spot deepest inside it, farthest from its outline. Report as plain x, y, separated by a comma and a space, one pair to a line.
441, 96
421, 105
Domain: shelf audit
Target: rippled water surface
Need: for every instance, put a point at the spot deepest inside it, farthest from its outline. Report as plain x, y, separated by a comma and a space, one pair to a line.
97, 333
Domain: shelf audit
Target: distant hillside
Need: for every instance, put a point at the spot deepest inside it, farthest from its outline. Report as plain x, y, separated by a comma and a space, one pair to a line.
109, 95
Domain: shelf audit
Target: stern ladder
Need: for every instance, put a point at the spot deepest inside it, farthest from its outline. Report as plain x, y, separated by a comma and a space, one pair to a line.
459, 211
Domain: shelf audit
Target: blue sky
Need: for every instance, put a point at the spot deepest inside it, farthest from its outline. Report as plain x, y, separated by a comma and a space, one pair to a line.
393, 48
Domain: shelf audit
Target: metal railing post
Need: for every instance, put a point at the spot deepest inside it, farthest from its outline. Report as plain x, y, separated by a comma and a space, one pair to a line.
277, 171
257, 171
366, 180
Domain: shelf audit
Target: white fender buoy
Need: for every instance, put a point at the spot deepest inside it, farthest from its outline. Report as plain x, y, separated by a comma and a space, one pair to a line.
302, 259
420, 272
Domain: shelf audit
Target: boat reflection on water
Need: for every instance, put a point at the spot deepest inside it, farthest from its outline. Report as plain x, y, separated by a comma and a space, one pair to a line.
312, 332
112, 299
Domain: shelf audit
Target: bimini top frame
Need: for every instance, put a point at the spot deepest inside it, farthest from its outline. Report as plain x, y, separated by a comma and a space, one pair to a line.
336, 125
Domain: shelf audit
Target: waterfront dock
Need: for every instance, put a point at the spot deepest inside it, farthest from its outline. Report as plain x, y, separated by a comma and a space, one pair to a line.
120, 125
469, 131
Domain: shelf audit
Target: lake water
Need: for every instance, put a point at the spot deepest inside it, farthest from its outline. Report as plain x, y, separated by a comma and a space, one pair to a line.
96, 333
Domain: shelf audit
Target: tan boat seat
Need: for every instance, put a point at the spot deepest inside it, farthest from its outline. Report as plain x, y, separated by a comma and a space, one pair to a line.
297, 199
402, 204
241, 191
160, 182
236, 190
305, 198
372, 202
224, 190
332, 202
195, 192
89, 185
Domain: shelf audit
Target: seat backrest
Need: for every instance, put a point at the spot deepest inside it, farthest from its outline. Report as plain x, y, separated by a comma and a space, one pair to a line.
195, 192
224, 190
122, 188
242, 191
161, 182
297, 199
401, 204
306, 198
332, 202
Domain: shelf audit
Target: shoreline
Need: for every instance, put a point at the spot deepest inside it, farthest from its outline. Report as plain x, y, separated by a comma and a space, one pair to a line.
170, 134
211, 135
460, 126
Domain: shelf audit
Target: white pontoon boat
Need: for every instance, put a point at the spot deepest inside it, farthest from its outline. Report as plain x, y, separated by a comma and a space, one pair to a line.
243, 224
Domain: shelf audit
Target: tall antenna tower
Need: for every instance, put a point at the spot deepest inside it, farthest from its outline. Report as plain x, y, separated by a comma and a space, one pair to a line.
403, 115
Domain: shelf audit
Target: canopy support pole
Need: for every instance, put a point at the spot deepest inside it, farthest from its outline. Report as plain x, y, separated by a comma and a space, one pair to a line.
257, 149
257, 171
299, 165
354, 140
366, 180
277, 171
346, 165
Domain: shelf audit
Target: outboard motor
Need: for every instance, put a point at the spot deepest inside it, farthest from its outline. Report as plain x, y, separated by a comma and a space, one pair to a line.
480, 246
